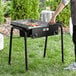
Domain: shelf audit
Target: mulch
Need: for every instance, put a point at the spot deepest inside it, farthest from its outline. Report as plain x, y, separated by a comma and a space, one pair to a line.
6, 27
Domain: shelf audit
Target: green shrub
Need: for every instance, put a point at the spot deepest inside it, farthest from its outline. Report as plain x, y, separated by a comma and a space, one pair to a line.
25, 9
1, 13
42, 5
64, 15
7, 8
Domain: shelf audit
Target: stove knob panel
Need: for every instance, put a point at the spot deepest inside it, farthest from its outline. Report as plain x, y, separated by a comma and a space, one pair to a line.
45, 29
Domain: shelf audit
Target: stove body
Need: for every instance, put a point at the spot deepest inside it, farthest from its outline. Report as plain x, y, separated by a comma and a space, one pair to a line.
43, 28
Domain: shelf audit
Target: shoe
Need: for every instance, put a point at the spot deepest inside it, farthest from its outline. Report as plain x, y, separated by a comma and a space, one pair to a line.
71, 67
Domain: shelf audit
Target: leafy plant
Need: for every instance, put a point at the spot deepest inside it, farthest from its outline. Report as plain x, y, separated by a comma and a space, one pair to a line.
42, 5
1, 13
25, 9
7, 8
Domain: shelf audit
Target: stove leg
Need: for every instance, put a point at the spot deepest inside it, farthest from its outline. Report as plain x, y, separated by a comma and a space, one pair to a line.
45, 45
75, 52
26, 62
62, 44
10, 48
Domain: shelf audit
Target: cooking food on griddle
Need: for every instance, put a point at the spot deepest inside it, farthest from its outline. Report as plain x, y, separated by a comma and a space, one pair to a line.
32, 24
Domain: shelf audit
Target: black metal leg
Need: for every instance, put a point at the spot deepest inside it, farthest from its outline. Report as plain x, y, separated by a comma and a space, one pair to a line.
45, 45
26, 62
62, 44
10, 48
75, 52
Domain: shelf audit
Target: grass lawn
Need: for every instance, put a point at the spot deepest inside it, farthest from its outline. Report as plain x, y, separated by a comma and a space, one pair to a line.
51, 65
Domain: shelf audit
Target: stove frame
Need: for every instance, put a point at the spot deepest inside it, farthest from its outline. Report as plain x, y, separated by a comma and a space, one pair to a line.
25, 42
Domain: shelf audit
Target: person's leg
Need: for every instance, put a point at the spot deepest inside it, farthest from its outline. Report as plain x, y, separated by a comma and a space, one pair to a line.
73, 65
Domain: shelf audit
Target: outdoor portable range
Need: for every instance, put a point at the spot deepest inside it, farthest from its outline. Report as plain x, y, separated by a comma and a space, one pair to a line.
35, 29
